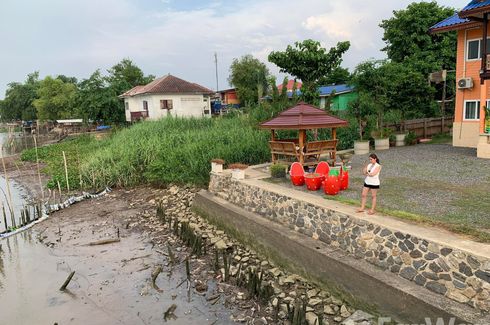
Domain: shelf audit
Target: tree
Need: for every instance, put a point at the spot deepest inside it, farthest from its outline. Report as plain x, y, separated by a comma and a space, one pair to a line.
310, 63
96, 100
408, 40
122, 77
55, 99
126, 75
18, 102
249, 76
338, 76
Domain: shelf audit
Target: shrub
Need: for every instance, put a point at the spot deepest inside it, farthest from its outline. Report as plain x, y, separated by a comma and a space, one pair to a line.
411, 138
278, 170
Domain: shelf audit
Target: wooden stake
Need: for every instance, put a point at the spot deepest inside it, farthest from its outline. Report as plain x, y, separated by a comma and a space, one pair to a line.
67, 281
66, 173
38, 169
4, 215
8, 184
59, 189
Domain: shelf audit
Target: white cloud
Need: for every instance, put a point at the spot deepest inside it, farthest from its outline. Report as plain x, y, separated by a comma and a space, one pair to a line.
76, 38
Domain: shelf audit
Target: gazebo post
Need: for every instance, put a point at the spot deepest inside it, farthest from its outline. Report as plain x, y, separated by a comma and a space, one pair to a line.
273, 138
302, 137
334, 136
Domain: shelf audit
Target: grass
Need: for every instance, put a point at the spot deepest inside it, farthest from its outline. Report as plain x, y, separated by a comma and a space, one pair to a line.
441, 138
459, 228
171, 150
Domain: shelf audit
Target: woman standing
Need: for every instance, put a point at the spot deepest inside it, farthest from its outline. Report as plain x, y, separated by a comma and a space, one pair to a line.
371, 183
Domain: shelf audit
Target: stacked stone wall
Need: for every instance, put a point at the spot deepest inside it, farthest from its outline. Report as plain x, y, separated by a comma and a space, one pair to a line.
449, 271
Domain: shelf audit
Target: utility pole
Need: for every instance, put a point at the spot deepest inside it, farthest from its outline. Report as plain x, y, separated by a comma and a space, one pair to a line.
216, 66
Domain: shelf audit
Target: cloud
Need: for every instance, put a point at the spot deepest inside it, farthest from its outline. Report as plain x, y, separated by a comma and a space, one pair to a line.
180, 37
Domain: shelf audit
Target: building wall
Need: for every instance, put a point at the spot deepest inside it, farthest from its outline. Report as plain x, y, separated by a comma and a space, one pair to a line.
231, 98
466, 133
339, 102
183, 105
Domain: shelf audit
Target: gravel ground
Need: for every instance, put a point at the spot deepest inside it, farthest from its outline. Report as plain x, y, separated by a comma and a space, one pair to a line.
441, 182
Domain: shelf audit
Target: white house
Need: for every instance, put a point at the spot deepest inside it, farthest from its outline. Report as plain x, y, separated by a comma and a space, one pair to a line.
166, 96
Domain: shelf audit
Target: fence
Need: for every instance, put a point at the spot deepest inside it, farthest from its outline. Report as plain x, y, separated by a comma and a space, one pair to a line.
426, 127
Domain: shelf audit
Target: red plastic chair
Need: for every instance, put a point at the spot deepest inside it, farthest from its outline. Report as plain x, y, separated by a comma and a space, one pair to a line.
297, 174
322, 168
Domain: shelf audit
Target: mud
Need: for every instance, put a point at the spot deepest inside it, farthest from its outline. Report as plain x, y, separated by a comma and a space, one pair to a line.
112, 282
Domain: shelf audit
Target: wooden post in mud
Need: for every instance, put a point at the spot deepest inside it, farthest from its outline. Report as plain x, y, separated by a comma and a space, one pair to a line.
8, 185
4, 215
66, 173
67, 281
59, 189
38, 169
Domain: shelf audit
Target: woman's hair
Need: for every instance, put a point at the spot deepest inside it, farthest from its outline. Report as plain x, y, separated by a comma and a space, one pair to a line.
373, 155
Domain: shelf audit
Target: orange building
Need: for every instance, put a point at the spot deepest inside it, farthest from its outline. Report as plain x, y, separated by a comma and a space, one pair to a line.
472, 74
229, 97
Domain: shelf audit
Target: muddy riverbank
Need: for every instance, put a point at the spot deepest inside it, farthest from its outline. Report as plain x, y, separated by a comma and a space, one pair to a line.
113, 282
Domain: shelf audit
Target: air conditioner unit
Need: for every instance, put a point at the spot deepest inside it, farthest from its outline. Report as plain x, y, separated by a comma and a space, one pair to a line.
465, 83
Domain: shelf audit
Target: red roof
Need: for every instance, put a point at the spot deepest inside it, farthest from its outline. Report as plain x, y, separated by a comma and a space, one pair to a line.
168, 84
303, 117
290, 85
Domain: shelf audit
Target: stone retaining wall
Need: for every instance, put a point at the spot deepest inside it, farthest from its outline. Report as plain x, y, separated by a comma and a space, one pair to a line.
448, 271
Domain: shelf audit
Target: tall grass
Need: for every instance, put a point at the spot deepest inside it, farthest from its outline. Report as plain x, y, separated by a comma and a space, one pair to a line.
175, 150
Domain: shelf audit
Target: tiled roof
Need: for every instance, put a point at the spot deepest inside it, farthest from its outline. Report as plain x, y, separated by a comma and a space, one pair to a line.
475, 8
451, 23
168, 84
303, 117
339, 89
290, 85
476, 4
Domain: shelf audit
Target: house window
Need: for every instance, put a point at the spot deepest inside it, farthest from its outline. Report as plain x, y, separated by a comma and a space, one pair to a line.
145, 105
472, 110
166, 104
126, 105
473, 49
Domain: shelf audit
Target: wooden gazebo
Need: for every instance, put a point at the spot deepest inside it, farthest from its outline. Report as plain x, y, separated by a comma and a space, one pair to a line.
303, 117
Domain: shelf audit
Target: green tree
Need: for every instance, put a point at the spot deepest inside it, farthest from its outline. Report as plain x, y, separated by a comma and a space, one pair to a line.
310, 63
122, 77
338, 76
249, 76
96, 101
19, 97
55, 100
126, 75
408, 40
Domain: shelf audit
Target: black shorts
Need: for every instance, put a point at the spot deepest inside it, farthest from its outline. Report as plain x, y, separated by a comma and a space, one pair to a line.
375, 187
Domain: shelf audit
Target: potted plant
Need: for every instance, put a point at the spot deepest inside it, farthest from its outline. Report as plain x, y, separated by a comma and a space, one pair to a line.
217, 165
238, 170
361, 146
381, 138
394, 118
392, 140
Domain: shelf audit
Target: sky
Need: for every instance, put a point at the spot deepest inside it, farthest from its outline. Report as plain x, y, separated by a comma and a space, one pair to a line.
180, 37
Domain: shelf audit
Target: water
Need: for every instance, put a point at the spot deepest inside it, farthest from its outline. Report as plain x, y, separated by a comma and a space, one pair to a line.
19, 200
104, 290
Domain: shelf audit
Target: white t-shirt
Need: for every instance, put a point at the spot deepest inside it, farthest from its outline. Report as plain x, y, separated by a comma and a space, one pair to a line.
372, 180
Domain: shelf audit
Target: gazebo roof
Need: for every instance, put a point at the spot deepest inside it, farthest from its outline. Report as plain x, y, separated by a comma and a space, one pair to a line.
303, 117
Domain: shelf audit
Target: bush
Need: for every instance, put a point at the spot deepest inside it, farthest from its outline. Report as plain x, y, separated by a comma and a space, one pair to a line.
410, 139
278, 170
